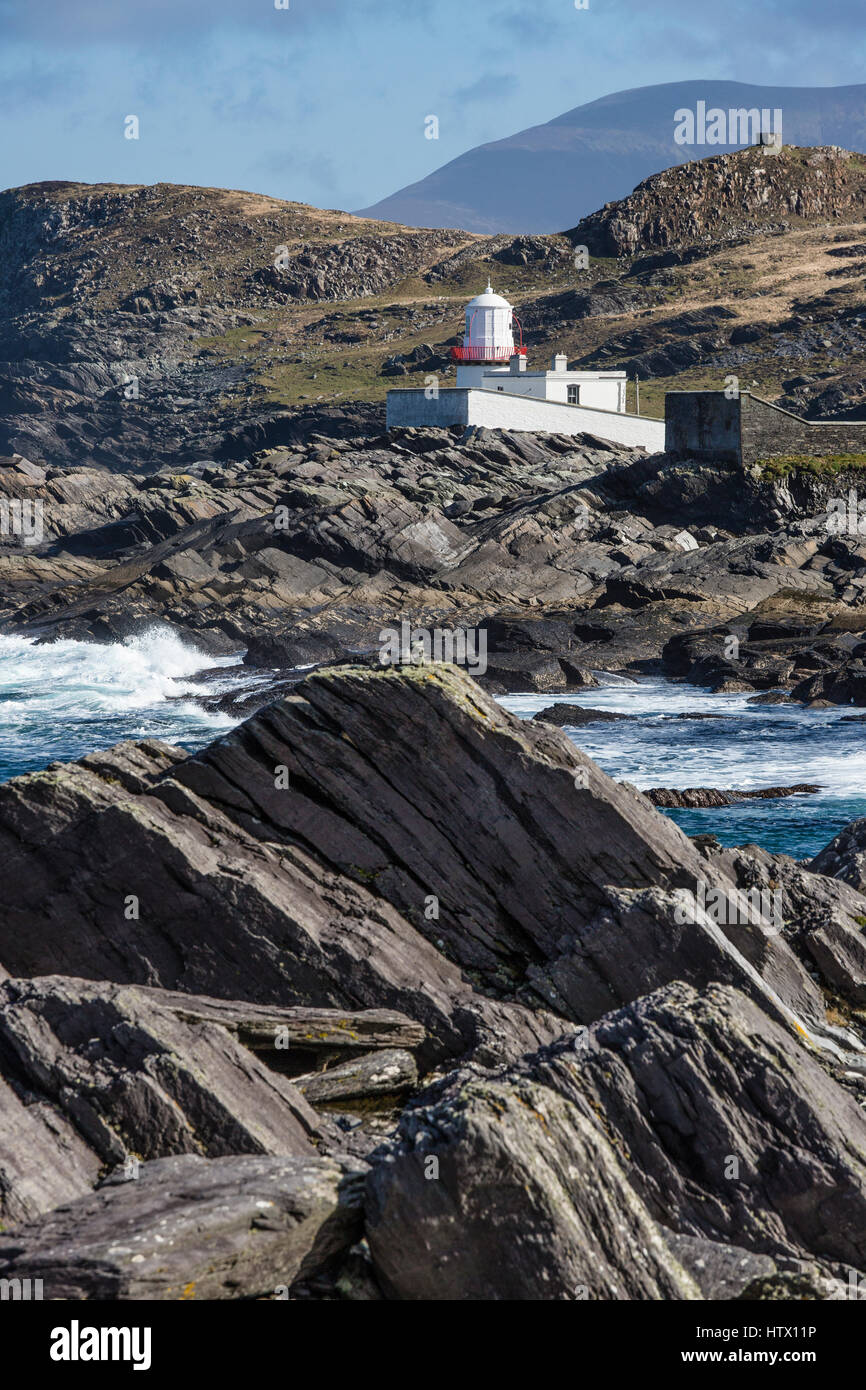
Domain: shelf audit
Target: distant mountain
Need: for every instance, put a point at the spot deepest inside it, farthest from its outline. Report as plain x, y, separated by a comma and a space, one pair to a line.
548, 177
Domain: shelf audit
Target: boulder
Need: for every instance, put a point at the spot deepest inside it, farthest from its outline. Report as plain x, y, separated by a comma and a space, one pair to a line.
502, 1189
190, 1228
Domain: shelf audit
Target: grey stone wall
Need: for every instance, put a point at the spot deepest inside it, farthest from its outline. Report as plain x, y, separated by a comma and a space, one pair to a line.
411, 407
707, 425
702, 424
765, 431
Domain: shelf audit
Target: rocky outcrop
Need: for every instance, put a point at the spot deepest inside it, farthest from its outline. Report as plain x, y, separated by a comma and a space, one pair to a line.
845, 856
561, 558
188, 1228
821, 917
394, 822
347, 871
775, 1150
650, 1100
98, 1076
680, 1083
292, 931
506, 1190
118, 299
715, 796
567, 716
794, 659
726, 197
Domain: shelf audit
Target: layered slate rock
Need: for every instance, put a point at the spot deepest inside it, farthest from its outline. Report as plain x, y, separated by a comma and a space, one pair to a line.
382, 839
307, 1030
506, 1190
98, 1075
704, 797
686, 1137
44, 1161
720, 1271
428, 791
384, 1073
191, 1228
845, 856
824, 917
729, 1128
127, 875
305, 552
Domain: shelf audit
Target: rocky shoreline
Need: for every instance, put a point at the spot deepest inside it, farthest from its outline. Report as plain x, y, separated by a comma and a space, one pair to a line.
386, 963
561, 556
387, 994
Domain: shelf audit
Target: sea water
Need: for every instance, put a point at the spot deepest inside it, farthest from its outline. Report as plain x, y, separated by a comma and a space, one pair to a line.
61, 700
743, 747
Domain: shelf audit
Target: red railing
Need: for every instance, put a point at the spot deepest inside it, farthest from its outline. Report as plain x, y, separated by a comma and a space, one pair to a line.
486, 354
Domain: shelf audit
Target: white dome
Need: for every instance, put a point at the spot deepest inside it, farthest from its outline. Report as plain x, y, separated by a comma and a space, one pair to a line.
488, 300
489, 335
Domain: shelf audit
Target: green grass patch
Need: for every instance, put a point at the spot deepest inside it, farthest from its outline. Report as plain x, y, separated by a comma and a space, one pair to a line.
781, 465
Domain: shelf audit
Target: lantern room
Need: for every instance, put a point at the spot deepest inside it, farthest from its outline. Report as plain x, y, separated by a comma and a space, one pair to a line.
489, 335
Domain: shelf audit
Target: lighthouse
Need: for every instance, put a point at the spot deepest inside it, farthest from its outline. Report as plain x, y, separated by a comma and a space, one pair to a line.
488, 340
495, 389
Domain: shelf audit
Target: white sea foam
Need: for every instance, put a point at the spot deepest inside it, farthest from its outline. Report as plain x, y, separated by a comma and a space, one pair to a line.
60, 700
751, 745
86, 678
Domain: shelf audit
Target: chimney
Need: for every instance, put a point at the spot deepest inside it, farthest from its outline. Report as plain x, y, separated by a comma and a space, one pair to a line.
559, 363
517, 363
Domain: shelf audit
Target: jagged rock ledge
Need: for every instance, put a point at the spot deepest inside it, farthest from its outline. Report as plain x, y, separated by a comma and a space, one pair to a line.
426, 898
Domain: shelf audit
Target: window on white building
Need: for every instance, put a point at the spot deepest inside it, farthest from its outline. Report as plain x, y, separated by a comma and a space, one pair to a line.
573, 393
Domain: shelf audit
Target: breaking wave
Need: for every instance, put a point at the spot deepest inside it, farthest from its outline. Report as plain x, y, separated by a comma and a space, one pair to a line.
61, 700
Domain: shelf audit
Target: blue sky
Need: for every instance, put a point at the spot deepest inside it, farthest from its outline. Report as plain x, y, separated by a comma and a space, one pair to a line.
325, 101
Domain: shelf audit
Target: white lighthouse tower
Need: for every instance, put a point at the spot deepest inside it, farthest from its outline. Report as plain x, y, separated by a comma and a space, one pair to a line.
489, 339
